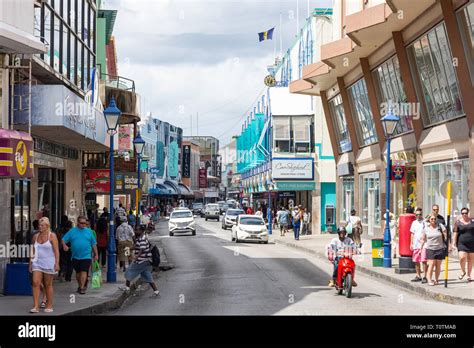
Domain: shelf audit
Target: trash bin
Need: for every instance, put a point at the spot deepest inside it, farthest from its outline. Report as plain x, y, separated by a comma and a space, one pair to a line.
377, 252
17, 279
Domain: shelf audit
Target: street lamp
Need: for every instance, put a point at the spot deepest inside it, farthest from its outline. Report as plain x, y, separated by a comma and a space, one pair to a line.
269, 213
112, 116
389, 122
139, 145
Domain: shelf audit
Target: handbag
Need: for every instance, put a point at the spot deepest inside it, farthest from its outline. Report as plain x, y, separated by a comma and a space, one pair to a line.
96, 276
349, 227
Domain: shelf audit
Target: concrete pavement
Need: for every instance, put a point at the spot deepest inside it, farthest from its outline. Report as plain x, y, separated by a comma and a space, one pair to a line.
457, 292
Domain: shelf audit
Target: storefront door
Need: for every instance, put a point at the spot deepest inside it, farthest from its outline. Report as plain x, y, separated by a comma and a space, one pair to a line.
371, 211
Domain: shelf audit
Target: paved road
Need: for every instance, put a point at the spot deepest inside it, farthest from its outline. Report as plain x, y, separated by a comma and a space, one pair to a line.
214, 276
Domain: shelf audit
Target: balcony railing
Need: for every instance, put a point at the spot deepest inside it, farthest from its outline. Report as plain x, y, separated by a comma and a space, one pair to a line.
101, 161
119, 82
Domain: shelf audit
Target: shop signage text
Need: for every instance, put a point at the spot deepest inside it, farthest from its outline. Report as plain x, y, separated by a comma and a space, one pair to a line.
186, 161
96, 181
202, 178
293, 168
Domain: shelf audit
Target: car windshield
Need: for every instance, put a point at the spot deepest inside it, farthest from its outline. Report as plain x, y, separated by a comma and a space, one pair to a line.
252, 221
197, 205
181, 214
235, 212
213, 206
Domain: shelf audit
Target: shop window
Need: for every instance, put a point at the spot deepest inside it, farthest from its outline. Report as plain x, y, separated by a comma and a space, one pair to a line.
435, 174
281, 134
339, 120
360, 106
20, 211
390, 90
346, 198
302, 134
435, 78
466, 26
370, 198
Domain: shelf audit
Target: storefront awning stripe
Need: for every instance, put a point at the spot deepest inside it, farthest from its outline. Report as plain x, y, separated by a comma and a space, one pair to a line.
6, 150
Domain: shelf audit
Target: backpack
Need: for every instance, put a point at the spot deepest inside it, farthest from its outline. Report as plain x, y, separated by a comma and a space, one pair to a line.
155, 256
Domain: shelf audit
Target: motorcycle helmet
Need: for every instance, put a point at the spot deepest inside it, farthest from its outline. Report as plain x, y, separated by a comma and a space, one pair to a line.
342, 230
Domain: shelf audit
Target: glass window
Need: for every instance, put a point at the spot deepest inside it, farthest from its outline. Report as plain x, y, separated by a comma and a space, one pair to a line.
66, 11
80, 24
56, 43
281, 134
86, 69
65, 55
47, 35
466, 26
302, 133
79, 64
339, 119
390, 91
435, 174
346, 198
435, 79
72, 68
370, 190
72, 14
362, 113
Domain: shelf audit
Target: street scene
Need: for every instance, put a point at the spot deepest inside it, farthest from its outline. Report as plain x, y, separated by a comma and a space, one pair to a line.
237, 158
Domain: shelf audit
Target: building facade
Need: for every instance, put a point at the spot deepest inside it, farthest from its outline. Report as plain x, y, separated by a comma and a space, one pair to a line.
416, 59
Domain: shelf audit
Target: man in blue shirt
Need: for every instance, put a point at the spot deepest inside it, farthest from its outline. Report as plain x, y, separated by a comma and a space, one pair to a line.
282, 218
83, 243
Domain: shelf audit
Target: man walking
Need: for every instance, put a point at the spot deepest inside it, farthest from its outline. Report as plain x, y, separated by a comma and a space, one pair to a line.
419, 254
141, 265
282, 218
83, 244
125, 242
435, 212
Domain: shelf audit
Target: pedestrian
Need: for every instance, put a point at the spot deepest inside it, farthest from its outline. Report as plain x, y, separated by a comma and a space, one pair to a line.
102, 240
249, 211
282, 219
141, 264
259, 212
434, 236
297, 224
65, 267
354, 228
83, 244
463, 240
105, 213
44, 264
132, 220
435, 212
125, 243
121, 211
419, 254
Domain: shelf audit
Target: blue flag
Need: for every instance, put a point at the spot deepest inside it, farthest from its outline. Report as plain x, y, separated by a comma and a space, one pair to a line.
266, 35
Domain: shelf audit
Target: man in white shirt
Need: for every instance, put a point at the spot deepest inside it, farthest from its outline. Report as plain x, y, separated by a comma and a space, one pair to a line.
340, 244
419, 253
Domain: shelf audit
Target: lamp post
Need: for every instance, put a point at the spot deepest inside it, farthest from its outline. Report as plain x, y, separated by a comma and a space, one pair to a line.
389, 122
112, 116
139, 145
269, 213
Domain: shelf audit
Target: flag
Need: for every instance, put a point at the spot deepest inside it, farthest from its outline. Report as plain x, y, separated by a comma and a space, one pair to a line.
266, 35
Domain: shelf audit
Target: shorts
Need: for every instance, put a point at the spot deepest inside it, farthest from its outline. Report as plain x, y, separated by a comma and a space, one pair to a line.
139, 269
438, 254
81, 265
419, 255
283, 226
122, 248
44, 270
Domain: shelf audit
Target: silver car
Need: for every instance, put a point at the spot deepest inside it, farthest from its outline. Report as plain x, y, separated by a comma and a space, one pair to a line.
212, 211
230, 217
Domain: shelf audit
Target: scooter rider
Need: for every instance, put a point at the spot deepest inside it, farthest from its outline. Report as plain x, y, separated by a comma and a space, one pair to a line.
340, 244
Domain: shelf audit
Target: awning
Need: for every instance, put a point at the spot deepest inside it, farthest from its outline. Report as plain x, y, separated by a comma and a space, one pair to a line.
185, 191
172, 188
16, 154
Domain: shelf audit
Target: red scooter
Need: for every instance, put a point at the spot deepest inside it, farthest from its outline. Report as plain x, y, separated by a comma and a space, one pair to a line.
345, 272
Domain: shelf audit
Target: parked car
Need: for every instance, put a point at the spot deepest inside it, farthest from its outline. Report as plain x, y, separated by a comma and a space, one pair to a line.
230, 217
250, 228
198, 209
212, 211
181, 220
223, 206
232, 203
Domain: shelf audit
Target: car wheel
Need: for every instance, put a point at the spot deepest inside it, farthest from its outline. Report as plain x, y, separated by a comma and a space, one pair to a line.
194, 233
233, 239
206, 219
171, 234
266, 242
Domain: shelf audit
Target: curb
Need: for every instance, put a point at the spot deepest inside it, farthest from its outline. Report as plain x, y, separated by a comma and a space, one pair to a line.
392, 280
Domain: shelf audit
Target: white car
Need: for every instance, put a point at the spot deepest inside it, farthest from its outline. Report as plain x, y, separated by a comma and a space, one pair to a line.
230, 217
212, 211
250, 228
182, 220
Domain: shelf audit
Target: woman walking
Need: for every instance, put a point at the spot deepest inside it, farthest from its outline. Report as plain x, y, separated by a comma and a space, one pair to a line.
463, 240
355, 225
44, 264
434, 236
102, 238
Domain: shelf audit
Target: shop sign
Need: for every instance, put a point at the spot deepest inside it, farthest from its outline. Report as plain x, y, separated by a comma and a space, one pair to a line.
202, 178
16, 154
173, 154
127, 182
96, 180
292, 169
286, 194
295, 186
186, 161
124, 138
155, 170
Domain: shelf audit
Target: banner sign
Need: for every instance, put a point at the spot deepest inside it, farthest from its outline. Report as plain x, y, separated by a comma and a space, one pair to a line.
96, 180
186, 169
124, 138
398, 172
16, 154
160, 159
292, 169
202, 178
173, 159
127, 182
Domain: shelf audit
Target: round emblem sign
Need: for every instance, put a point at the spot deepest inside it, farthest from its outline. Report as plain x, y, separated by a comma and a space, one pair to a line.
21, 158
270, 81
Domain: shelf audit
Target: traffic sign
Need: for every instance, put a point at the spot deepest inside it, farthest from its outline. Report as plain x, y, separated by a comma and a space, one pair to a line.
443, 189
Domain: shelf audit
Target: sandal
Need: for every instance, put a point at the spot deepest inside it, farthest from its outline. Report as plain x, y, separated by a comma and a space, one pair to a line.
461, 275
469, 279
34, 310
431, 284
49, 310
436, 282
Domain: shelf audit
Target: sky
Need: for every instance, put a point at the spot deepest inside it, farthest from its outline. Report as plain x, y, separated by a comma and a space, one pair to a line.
200, 61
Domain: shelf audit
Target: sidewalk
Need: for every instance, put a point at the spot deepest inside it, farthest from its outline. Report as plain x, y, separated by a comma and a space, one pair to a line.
68, 302
457, 292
